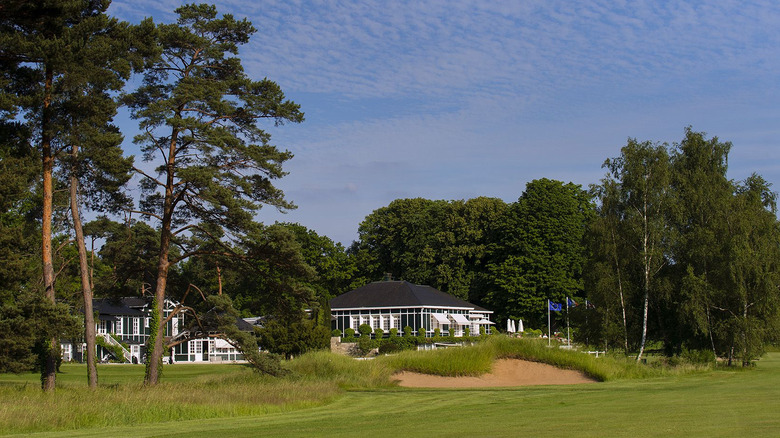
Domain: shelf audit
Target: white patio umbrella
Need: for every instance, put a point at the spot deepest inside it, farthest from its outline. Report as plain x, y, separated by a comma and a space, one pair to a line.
509, 328
520, 325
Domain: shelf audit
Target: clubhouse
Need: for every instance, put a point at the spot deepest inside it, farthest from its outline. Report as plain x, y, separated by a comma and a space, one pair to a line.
398, 304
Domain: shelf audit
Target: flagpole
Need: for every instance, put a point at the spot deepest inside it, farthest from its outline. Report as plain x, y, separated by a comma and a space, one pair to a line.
568, 332
548, 322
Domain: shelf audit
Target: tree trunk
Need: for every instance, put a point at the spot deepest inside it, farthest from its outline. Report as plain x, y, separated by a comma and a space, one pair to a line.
620, 292
156, 326
86, 284
647, 259
49, 369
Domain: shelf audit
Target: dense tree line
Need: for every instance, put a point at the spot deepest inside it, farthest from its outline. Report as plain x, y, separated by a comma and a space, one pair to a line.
682, 255
665, 250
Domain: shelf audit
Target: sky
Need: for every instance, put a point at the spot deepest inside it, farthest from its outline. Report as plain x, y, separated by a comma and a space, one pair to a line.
459, 99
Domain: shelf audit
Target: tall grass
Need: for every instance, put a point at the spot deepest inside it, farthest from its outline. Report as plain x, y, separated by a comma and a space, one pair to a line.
602, 368
465, 361
25, 409
324, 366
477, 359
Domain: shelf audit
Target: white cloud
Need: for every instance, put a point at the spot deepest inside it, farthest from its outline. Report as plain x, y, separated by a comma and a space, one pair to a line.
450, 99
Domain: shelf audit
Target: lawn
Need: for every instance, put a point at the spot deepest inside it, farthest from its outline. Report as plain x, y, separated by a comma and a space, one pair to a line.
716, 403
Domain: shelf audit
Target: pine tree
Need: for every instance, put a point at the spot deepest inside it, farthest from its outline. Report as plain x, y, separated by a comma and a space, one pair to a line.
199, 114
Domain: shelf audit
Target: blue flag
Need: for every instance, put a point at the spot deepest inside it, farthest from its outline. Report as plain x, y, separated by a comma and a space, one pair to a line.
555, 307
571, 302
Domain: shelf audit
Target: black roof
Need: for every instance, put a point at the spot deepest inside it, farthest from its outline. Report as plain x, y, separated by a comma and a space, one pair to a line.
397, 294
121, 306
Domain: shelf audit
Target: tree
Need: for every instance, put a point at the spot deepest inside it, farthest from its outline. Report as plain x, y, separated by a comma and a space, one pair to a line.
61, 58
750, 302
606, 276
443, 244
542, 255
294, 337
642, 173
199, 114
701, 197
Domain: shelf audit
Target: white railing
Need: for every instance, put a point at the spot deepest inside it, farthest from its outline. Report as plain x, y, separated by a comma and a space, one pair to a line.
111, 341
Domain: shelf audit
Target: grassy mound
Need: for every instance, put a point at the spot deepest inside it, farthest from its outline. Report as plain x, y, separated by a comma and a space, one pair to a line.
477, 359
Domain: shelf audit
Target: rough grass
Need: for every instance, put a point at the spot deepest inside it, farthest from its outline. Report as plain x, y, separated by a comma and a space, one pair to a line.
201, 392
348, 373
478, 359
186, 394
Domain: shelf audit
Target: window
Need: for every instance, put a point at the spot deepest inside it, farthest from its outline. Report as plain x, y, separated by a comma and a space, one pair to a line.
386, 322
375, 322
135, 326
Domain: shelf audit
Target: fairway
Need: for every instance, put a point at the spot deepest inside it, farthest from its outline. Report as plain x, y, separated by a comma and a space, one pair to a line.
719, 403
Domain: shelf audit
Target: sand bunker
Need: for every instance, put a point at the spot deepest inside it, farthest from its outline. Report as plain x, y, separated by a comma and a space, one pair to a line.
506, 372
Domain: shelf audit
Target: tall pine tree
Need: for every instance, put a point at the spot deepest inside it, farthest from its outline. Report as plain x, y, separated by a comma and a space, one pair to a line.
199, 113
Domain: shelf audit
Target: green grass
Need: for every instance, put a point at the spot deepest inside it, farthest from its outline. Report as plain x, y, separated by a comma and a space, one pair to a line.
230, 400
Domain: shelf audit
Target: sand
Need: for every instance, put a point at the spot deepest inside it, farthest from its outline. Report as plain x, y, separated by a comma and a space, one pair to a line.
506, 372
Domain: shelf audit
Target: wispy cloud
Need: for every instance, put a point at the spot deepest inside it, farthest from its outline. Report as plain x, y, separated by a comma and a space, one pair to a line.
451, 99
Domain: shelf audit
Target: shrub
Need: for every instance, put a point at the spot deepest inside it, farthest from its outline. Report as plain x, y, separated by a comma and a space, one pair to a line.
365, 330
421, 332
466, 332
336, 333
389, 347
393, 332
378, 333
437, 333
698, 356
408, 331
349, 335
365, 344
482, 330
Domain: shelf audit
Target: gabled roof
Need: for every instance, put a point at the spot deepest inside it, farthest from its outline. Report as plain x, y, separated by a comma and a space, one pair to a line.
397, 294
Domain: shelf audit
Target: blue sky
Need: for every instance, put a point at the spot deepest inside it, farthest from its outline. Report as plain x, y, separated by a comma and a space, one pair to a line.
458, 99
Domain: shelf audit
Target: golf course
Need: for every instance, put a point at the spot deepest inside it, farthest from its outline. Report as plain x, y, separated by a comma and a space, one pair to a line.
330, 395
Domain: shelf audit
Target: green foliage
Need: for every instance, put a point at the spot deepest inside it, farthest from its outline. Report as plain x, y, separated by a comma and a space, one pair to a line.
336, 333
439, 243
27, 326
364, 330
349, 332
379, 333
407, 332
389, 347
540, 254
366, 344
199, 115
115, 350
682, 255
293, 337
221, 318
698, 356
421, 332
393, 332
466, 332
334, 268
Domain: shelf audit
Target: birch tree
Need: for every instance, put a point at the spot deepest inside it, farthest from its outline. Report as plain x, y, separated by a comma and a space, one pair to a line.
642, 173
